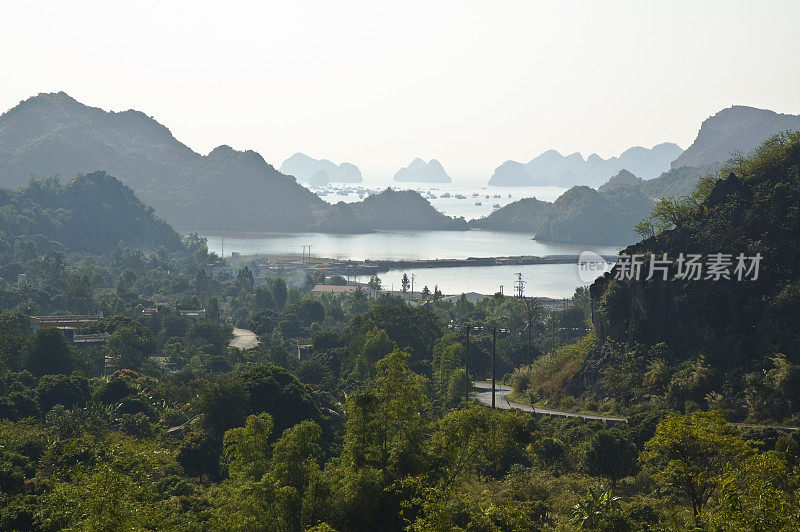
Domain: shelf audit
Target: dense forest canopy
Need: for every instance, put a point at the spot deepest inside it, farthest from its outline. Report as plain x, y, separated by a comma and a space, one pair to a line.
92, 213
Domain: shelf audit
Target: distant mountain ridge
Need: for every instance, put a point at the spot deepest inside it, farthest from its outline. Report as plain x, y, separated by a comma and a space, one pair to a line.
227, 189
304, 169
735, 129
553, 169
421, 172
738, 129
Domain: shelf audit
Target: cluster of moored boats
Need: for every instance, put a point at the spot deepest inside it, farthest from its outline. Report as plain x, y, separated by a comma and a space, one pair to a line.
430, 194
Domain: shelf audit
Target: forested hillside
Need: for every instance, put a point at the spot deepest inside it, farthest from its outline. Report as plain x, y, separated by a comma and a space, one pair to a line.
740, 330
402, 209
93, 213
350, 413
583, 215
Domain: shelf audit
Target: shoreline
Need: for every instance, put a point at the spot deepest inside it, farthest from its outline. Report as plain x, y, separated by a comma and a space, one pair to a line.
330, 266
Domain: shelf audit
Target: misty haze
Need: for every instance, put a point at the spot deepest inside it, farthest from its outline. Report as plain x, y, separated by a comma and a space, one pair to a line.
515, 266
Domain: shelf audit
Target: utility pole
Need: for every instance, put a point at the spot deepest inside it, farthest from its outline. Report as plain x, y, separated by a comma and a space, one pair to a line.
466, 368
529, 307
519, 285
530, 355
223, 247
412, 286
303, 260
494, 342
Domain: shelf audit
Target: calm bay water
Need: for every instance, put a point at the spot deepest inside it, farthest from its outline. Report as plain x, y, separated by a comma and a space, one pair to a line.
543, 280
549, 280
452, 206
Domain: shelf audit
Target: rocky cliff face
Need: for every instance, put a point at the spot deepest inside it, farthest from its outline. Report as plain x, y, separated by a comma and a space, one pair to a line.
734, 323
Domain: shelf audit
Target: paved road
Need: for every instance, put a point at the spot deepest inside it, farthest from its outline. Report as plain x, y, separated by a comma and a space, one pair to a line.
243, 339
484, 395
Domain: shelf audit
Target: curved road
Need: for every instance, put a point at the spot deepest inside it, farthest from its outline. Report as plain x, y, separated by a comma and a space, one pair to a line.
243, 339
484, 395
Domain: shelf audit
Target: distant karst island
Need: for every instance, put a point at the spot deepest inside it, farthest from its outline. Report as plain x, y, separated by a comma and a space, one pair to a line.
553, 169
320, 172
421, 172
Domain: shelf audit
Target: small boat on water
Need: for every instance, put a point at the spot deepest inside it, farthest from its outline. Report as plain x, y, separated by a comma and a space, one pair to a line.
478, 203
496, 206
460, 196
446, 195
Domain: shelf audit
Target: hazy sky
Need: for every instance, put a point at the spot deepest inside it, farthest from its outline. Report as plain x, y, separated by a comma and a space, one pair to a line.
379, 83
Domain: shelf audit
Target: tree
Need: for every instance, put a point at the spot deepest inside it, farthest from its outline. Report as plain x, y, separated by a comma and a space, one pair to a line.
688, 453
212, 309
124, 285
376, 345
205, 286
448, 356
198, 454
279, 293
206, 332
437, 294
222, 405
68, 391
756, 494
244, 280
245, 450
357, 302
78, 294
130, 345
47, 353
384, 426
374, 283
609, 454
598, 506
14, 329
262, 299
405, 283
296, 455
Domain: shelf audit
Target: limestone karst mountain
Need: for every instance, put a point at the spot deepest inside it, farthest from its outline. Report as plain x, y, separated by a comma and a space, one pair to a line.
421, 172
738, 129
304, 168
552, 168
53, 134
